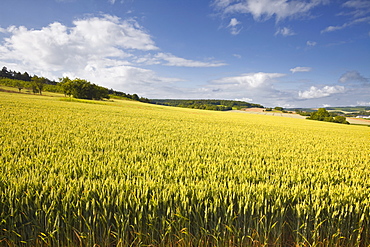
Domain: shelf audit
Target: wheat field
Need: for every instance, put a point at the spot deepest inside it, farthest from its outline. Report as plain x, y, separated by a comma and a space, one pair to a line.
124, 173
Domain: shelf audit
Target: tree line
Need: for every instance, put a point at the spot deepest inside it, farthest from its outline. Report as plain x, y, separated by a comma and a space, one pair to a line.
5, 73
211, 104
77, 88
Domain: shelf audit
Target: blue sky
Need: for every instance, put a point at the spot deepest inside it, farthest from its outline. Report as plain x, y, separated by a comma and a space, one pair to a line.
310, 53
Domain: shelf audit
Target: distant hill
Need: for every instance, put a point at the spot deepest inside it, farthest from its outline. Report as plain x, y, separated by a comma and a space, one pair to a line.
206, 104
347, 111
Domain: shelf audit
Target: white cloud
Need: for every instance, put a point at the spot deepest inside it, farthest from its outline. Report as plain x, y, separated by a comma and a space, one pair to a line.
233, 22
112, 31
315, 92
234, 30
285, 32
237, 55
178, 61
266, 9
359, 13
360, 7
252, 80
126, 78
103, 50
168, 59
57, 47
311, 43
301, 69
245, 99
363, 103
352, 76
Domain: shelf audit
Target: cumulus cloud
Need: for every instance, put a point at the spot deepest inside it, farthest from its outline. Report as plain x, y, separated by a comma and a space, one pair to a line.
256, 87
128, 79
252, 80
58, 47
284, 32
301, 69
104, 50
315, 92
265, 9
233, 22
352, 76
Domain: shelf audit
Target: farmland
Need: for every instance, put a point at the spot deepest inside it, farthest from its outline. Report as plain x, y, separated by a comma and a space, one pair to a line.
121, 173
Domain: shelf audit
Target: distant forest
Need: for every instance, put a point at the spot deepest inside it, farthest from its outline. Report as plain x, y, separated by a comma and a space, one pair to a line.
206, 104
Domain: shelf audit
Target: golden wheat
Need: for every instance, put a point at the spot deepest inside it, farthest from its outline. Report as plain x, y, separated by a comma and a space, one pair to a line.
125, 173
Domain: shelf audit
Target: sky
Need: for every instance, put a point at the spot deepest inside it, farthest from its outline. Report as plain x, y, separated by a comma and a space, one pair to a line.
300, 53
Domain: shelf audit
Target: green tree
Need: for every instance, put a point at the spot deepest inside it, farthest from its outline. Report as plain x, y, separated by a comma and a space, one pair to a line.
67, 86
38, 84
5, 73
83, 89
19, 85
278, 108
340, 119
135, 97
320, 115
323, 115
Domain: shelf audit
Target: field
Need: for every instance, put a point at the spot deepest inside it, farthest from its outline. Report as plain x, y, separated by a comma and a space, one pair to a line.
124, 173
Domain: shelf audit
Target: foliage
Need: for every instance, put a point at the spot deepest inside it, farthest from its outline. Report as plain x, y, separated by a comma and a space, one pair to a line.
4, 73
323, 115
278, 108
118, 94
216, 105
77, 88
38, 84
133, 174
15, 83
82, 89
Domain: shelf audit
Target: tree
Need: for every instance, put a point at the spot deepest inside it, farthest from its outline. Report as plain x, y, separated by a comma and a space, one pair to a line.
25, 77
278, 108
83, 89
321, 114
340, 119
38, 84
67, 86
5, 73
19, 85
135, 97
